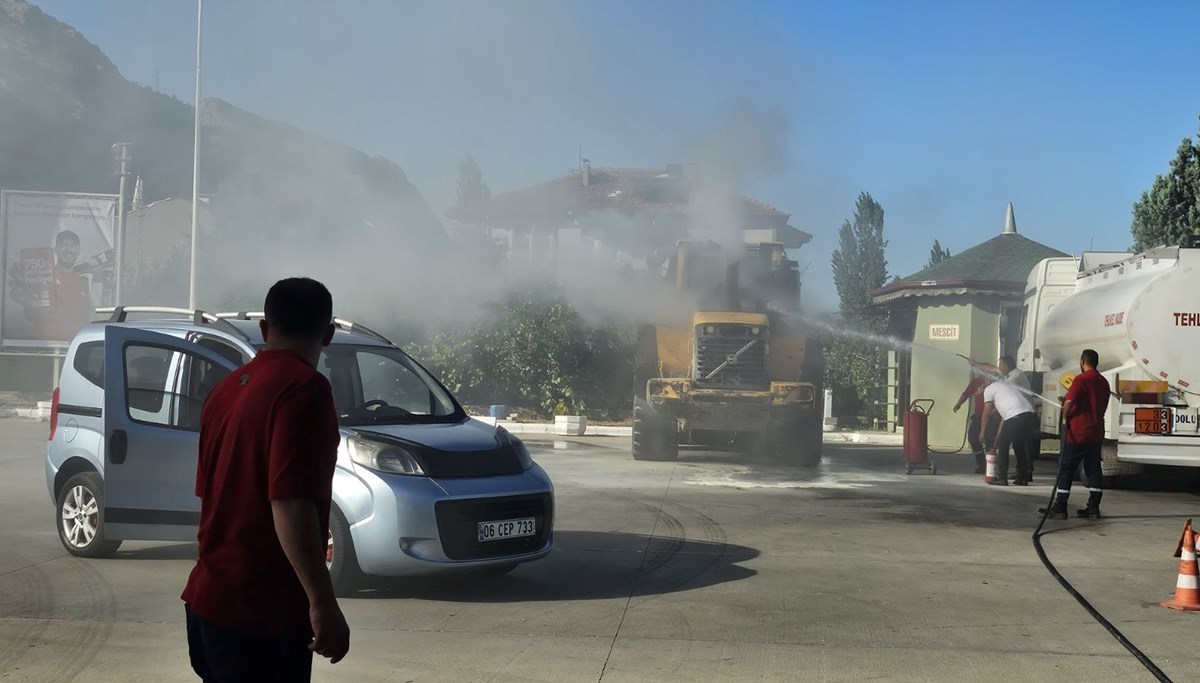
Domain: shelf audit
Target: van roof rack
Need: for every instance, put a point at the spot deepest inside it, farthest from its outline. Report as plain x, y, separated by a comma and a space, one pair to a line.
341, 323
120, 314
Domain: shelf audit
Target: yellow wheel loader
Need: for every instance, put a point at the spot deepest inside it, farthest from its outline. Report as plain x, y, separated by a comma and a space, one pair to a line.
734, 369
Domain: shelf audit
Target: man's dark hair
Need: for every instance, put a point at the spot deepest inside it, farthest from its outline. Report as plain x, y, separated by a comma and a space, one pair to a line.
1009, 361
1090, 358
298, 307
66, 236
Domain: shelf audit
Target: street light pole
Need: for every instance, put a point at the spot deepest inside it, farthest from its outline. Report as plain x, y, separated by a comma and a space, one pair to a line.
196, 161
122, 150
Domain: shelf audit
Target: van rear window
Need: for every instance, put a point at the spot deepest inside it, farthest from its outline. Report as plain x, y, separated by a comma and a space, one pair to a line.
89, 362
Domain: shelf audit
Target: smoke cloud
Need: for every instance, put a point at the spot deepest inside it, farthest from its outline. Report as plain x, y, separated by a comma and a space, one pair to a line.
500, 80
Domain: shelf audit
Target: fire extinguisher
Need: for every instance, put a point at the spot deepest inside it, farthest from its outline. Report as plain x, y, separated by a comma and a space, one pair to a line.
989, 472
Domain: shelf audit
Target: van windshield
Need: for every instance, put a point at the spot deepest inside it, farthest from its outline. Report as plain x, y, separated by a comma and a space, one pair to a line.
375, 385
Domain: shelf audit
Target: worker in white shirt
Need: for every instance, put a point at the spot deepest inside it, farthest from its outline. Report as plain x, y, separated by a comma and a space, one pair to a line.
1003, 400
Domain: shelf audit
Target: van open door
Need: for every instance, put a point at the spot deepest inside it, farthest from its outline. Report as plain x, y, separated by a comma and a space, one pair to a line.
155, 388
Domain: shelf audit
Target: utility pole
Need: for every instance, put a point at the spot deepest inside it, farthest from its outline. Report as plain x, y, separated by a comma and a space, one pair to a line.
122, 151
196, 161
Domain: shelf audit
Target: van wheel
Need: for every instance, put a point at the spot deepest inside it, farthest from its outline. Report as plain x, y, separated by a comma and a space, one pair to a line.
340, 558
80, 514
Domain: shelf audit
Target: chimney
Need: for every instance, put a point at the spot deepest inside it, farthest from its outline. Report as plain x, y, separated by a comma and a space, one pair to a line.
585, 172
1010, 222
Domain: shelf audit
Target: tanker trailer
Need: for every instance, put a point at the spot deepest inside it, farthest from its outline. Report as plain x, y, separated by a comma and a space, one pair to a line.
1141, 314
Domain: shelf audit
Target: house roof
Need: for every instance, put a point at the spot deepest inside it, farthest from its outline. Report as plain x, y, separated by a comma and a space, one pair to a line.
623, 190
998, 266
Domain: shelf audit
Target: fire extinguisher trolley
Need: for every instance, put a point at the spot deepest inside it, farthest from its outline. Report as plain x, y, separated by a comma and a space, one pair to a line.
916, 436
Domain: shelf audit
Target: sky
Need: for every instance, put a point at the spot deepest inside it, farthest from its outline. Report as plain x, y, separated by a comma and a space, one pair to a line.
943, 111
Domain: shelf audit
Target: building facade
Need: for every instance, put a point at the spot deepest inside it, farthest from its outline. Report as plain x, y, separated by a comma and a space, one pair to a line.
968, 305
629, 216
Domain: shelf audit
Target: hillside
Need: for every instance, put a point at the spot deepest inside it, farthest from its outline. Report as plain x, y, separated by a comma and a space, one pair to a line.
63, 104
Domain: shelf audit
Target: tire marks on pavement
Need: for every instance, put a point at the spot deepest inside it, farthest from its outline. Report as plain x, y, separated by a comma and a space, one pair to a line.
684, 545
65, 605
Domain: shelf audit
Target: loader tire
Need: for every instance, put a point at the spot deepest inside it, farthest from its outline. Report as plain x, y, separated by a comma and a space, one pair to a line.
809, 442
796, 443
654, 437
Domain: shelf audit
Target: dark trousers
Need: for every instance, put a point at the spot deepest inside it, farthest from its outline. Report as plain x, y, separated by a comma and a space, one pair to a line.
1015, 434
220, 655
1068, 461
977, 446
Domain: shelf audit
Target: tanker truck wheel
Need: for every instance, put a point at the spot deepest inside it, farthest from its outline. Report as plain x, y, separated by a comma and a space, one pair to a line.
655, 438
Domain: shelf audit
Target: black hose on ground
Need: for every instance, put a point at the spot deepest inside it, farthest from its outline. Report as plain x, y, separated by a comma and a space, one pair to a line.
1095, 613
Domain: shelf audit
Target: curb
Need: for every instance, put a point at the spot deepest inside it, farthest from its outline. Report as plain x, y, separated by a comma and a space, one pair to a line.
868, 438
871, 438
559, 430
40, 413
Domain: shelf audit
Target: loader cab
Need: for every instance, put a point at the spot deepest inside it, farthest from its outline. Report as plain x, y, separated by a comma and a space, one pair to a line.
702, 270
760, 278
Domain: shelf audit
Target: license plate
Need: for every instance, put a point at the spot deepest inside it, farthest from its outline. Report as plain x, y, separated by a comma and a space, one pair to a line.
1152, 421
508, 528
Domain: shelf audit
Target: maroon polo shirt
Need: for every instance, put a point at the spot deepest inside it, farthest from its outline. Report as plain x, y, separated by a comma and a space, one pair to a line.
268, 432
1089, 394
973, 389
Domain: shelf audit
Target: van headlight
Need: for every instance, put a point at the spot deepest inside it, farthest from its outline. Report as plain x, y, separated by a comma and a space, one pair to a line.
518, 447
522, 452
384, 456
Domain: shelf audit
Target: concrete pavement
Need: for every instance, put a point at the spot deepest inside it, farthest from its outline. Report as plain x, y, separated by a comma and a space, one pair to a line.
714, 568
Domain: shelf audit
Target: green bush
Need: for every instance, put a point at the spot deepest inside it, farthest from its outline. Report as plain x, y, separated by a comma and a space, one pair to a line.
536, 351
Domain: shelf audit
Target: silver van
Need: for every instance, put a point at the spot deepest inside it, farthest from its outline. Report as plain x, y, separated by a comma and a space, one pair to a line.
419, 488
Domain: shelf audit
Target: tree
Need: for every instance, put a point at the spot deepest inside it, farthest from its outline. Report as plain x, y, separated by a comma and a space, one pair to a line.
937, 254
471, 187
858, 263
854, 363
1169, 212
536, 350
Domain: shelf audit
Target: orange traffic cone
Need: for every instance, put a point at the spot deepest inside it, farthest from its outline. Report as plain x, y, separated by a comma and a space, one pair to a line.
1187, 592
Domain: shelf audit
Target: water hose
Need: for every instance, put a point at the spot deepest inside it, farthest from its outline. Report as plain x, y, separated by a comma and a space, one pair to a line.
961, 446
1095, 613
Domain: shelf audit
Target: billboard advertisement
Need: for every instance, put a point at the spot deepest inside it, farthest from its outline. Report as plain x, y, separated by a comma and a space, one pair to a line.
58, 260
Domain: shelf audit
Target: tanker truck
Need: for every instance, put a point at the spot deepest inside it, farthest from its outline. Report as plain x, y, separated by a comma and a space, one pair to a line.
1141, 314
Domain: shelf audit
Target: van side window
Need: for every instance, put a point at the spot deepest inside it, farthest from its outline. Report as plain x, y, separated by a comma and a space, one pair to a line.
89, 362
166, 387
224, 349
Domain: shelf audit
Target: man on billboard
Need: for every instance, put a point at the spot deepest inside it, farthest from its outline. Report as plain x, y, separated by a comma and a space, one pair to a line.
56, 299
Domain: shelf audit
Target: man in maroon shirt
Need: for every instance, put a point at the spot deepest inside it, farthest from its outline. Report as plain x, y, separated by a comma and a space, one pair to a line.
1083, 426
260, 601
975, 389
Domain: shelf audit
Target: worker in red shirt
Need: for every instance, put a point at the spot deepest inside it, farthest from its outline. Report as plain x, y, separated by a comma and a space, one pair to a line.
260, 600
1083, 428
974, 390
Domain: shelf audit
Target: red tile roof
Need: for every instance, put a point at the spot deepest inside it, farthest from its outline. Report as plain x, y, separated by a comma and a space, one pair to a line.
622, 190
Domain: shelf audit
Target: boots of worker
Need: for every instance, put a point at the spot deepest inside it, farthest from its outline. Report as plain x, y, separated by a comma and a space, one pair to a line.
1092, 509
1057, 511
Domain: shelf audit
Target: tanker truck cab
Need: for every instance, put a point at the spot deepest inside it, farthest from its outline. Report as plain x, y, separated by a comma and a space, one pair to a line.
1138, 312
